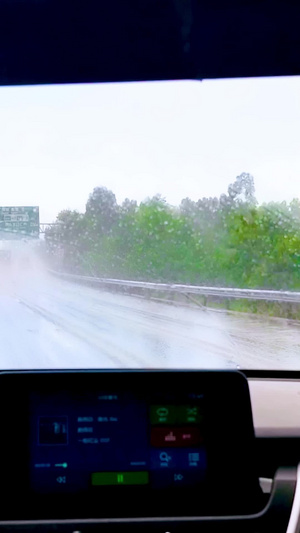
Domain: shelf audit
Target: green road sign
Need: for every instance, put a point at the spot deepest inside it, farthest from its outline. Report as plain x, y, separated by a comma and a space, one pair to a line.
19, 222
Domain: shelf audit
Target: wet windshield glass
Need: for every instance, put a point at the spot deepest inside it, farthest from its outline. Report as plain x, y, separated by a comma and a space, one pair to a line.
150, 225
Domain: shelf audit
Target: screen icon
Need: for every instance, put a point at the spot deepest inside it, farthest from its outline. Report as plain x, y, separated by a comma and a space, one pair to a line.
162, 414
52, 430
162, 411
194, 459
120, 478
61, 465
170, 437
190, 414
175, 436
178, 477
165, 458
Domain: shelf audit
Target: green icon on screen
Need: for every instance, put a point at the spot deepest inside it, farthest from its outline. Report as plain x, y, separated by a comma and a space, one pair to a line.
162, 414
175, 414
120, 478
162, 411
189, 414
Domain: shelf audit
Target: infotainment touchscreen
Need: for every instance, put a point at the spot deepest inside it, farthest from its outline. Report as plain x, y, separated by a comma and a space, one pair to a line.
108, 437
127, 444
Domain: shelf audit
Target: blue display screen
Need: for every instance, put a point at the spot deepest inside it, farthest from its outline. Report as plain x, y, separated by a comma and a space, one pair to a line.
100, 439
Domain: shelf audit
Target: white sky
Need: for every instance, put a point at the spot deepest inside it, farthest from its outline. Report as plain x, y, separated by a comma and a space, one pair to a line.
175, 138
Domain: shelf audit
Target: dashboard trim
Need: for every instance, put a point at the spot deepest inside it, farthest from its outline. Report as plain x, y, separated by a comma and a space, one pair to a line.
294, 522
275, 406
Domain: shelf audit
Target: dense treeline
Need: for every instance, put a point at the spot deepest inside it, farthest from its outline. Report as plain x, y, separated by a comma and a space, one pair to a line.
226, 241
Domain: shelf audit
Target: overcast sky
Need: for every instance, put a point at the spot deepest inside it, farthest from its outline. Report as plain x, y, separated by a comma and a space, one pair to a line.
175, 138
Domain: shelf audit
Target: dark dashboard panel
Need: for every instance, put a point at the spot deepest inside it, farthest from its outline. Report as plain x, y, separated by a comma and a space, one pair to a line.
73, 443
144, 444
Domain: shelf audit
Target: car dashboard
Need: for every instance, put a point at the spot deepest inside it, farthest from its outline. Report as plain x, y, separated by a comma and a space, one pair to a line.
124, 449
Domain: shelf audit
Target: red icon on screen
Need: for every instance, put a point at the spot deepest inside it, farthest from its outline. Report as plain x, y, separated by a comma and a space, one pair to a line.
170, 437
175, 437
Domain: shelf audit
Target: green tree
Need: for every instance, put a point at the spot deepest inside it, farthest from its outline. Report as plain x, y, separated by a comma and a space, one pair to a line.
102, 211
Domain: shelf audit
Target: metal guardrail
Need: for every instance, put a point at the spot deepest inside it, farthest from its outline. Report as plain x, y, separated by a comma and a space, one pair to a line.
227, 293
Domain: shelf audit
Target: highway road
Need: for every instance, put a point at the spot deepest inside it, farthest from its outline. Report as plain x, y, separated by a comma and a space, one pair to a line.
46, 322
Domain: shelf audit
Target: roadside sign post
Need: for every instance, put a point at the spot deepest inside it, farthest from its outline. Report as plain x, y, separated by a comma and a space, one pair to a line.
19, 222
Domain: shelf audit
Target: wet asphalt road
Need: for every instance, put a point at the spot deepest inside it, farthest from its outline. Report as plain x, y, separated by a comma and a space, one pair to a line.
50, 323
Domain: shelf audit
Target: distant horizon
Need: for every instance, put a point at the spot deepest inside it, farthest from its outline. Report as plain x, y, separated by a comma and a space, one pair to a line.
258, 204
158, 194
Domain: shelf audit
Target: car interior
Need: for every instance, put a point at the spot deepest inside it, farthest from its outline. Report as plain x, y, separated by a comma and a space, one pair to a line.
180, 450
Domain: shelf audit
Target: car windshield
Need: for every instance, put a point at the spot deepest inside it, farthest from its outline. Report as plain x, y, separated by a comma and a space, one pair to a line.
150, 225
